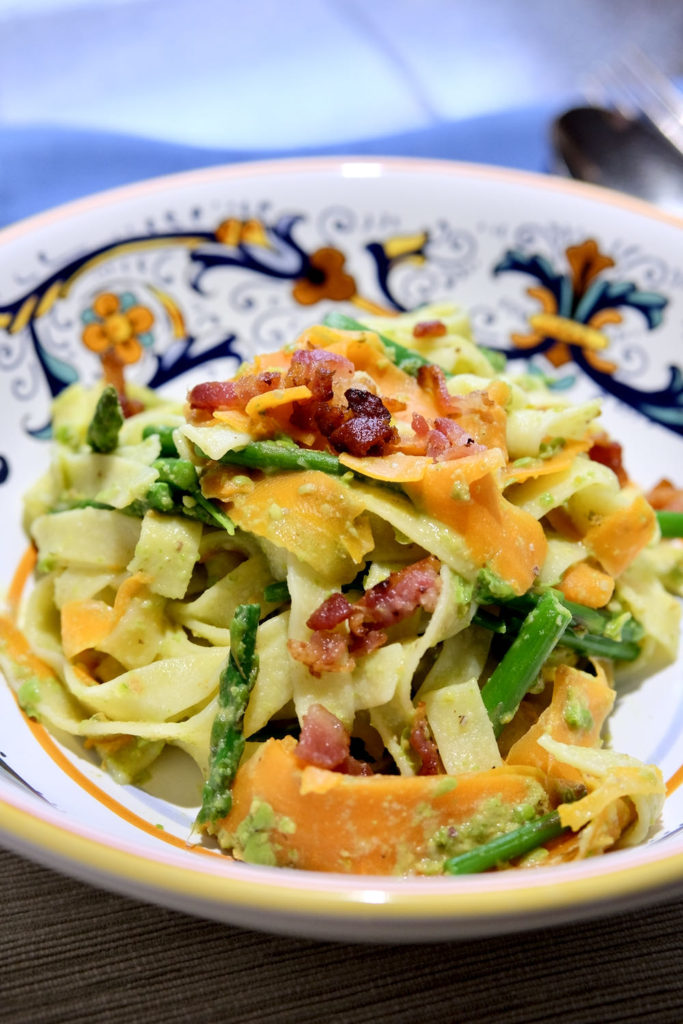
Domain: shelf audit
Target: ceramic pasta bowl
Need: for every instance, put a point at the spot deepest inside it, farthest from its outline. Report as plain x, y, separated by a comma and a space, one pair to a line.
179, 280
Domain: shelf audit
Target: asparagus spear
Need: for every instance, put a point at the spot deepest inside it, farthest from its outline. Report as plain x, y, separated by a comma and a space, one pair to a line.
227, 738
103, 430
274, 455
515, 674
514, 844
670, 523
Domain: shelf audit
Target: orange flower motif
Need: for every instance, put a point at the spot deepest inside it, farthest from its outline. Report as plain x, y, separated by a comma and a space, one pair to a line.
117, 326
586, 263
325, 279
234, 232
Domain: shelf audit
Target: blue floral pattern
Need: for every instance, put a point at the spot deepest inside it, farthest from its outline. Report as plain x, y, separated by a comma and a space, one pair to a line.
199, 287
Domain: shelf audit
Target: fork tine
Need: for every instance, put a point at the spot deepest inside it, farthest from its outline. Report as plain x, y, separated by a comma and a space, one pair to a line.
634, 86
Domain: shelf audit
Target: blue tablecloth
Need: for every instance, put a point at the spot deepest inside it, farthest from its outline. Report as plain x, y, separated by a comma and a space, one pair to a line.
43, 165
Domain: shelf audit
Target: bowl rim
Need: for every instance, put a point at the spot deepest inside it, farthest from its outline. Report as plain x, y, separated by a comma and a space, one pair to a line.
547, 895
43, 835
375, 166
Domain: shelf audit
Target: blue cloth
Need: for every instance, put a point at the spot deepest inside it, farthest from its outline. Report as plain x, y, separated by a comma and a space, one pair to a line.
42, 166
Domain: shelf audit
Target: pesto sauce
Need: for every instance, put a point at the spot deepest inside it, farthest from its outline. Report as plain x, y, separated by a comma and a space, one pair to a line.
255, 838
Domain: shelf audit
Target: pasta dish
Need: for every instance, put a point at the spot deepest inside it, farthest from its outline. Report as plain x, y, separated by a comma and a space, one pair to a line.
381, 591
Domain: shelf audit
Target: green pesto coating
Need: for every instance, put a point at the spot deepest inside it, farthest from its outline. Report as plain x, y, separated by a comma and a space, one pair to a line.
227, 738
504, 848
516, 673
275, 455
178, 473
406, 359
103, 430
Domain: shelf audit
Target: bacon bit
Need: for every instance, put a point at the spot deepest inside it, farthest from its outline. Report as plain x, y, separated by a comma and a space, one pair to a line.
433, 379
429, 329
666, 497
367, 428
422, 742
232, 394
480, 413
443, 441
324, 652
331, 613
609, 453
317, 369
352, 766
400, 594
449, 441
325, 743
420, 425
387, 603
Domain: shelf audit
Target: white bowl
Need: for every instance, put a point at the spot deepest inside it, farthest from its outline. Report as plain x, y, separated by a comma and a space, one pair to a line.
228, 262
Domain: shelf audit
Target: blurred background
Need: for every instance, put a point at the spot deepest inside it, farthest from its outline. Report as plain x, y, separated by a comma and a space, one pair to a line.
96, 93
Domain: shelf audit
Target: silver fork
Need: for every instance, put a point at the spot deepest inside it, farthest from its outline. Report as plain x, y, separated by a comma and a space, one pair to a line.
9, 773
634, 86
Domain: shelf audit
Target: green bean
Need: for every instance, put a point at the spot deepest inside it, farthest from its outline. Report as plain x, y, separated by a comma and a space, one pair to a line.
179, 473
275, 455
160, 497
600, 646
514, 844
165, 435
276, 593
494, 623
670, 523
515, 674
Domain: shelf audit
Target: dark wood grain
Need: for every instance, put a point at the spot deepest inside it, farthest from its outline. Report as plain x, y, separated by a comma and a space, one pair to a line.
71, 953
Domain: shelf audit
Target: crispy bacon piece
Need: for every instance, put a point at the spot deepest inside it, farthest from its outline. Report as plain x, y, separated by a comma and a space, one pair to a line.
429, 329
480, 413
449, 441
398, 596
326, 651
424, 745
666, 497
609, 453
366, 429
232, 394
420, 425
433, 379
330, 613
382, 606
317, 369
443, 441
325, 743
